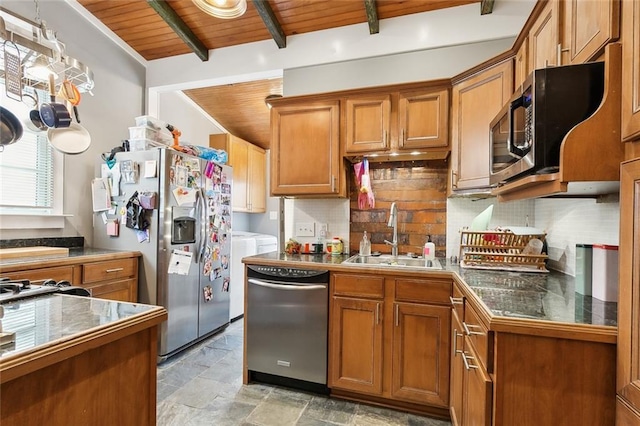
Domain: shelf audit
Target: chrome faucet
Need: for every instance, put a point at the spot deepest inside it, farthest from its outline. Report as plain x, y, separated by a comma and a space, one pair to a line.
393, 222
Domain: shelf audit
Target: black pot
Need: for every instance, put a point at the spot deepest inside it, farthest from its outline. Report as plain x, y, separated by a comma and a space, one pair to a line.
55, 115
11, 128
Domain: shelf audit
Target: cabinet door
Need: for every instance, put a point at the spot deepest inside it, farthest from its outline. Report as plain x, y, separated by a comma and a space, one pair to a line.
544, 37
367, 123
590, 26
628, 365
420, 371
423, 119
476, 101
123, 290
355, 345
477, 391
305, 149
257, 183
239, 160
457, 370
630, 69
521, 70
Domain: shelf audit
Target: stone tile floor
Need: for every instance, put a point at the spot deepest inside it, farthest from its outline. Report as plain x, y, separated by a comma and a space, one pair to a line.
203, 386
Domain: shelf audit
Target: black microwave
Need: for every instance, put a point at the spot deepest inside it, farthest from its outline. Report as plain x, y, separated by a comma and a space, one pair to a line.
526, 135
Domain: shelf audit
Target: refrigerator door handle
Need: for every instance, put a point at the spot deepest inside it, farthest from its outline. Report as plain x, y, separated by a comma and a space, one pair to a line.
204, 224
199, 225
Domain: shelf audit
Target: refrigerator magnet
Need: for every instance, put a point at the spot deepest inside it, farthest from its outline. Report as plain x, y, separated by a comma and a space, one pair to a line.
207, 293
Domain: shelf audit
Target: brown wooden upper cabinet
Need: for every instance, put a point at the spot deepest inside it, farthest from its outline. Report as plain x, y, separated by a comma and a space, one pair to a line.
403, 120
572, 32
630, 70
475, 102
249, 172
305, 149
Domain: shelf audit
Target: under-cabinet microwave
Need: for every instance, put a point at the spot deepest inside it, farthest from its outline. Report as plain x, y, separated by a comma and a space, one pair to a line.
526, 135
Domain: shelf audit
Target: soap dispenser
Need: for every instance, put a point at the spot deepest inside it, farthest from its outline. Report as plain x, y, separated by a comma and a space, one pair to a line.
365, 245
429, 251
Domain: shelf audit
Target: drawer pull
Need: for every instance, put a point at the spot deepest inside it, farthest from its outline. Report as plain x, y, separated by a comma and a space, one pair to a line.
397, 319
115, 270
465, 360
456, 300
455, 342
469, 332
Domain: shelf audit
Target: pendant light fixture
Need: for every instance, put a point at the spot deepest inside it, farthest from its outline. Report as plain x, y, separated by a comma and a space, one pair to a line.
223, 9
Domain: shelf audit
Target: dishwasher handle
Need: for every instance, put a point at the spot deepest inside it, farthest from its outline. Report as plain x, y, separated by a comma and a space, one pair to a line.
285, 286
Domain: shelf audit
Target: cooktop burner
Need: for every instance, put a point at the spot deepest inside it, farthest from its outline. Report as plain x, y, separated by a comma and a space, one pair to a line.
11, 290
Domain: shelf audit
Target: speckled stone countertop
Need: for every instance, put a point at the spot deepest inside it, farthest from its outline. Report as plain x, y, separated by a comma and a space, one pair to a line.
46, 321
518, 295
75, 255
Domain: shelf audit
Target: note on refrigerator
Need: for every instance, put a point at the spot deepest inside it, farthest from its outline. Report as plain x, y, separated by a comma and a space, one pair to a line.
180, 262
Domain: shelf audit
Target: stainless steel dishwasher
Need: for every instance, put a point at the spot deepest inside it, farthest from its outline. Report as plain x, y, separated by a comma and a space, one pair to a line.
287, 317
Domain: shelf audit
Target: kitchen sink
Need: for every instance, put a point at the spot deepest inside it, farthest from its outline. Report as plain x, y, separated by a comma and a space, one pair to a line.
387, 260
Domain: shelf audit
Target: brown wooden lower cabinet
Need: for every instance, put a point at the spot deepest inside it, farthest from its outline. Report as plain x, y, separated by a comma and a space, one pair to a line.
356, 355
389, 340
419, 334
112, 276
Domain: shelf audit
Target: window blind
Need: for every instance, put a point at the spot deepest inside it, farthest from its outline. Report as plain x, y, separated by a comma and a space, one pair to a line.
27, 172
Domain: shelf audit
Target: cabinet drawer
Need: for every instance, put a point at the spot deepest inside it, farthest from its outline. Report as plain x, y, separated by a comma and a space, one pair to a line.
109, 270
123, 290
59, 273
479, 337
426, 291
366, 286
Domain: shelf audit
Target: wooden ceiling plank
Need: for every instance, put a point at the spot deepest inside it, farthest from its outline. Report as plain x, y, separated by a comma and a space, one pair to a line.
271, 22
486, 7
372, 16
185, 33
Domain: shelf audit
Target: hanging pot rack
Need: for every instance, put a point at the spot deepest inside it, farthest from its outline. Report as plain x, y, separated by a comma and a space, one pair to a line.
41, 44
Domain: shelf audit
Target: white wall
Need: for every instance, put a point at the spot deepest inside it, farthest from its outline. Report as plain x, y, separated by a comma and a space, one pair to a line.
118, 97
423, 65
181, 112
576, 221
566, 221
333, 212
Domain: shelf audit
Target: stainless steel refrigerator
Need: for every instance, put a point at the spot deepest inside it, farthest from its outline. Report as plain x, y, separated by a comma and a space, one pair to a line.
186, 246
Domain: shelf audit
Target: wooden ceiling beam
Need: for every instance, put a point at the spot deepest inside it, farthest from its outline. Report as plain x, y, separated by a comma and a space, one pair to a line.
486, 7
372, 16
180, 28
271, 22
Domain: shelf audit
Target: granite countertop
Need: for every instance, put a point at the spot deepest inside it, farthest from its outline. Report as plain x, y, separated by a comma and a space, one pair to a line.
46, 321
75, 254
517, 295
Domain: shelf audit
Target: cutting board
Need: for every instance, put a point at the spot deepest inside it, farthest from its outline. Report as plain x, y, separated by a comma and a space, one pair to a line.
20, 252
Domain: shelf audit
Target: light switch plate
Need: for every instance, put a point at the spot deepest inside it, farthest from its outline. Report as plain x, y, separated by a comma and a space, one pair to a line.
305, 229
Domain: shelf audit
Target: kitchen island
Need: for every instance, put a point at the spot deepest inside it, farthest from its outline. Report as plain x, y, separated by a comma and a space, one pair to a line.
79, 360
483, 347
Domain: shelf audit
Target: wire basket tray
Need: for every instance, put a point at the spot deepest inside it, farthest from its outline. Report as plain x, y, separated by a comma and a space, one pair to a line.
501, 250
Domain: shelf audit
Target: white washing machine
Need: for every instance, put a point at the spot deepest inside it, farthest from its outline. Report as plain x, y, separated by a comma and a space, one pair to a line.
266, 243
243, 244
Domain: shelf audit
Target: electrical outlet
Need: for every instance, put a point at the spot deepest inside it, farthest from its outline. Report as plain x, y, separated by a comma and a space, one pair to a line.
305, 229
323, 229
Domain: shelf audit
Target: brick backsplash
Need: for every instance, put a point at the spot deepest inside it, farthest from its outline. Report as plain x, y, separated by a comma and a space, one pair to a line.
419, 189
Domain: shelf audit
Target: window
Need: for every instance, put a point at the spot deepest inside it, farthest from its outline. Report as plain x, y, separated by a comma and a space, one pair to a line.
31, 173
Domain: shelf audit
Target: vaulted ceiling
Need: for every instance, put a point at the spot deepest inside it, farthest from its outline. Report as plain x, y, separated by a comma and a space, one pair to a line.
159, 29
